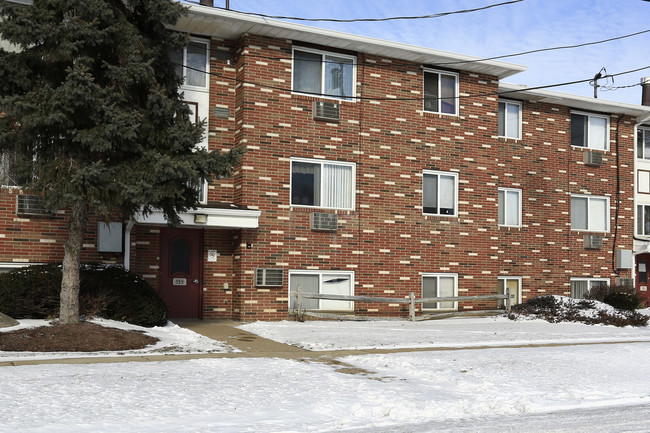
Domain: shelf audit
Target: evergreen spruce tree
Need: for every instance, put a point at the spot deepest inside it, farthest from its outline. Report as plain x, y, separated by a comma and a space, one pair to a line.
91, 112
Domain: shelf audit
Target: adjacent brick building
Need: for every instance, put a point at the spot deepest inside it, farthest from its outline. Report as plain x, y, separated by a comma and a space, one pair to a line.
372, 168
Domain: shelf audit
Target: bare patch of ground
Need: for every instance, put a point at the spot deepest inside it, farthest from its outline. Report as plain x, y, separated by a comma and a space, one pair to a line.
78, 337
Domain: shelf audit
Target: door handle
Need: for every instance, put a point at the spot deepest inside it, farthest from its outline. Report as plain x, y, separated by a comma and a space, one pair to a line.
196, 281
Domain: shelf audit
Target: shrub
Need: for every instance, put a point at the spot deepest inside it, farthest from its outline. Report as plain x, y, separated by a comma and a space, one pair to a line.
108, 292
621, 297
556, 309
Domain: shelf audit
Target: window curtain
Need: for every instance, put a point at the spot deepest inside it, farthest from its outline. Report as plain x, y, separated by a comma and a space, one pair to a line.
336, 284
646, 144
579, 213
446, 290
597, 133
305, 184
512, 123
308, 284
646, 220
197, 59
597, 214
307, 72
338, 76
430, 193
337, 188
579, 289
448, 94
447, 195
512, 208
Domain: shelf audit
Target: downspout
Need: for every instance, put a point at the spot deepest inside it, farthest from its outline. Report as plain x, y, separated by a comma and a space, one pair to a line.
127, 244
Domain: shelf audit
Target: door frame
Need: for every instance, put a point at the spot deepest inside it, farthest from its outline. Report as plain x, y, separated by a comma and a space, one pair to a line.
165, 234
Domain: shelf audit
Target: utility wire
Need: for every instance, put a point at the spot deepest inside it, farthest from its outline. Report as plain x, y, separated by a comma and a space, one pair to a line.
539, 50
369, 98
355, 20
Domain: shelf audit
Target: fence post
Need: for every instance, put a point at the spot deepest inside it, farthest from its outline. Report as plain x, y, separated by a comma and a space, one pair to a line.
508, 300
411, 306
299, 313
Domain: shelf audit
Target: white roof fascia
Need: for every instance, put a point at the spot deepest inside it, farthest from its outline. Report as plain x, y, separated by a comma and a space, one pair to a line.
518, 91
216, 218
226, 24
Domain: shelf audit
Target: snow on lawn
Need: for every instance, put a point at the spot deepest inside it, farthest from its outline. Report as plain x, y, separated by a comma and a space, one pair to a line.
173, 340
454, 332
276, 395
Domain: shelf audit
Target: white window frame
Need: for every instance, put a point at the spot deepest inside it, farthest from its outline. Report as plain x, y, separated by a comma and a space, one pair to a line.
505, 280
438, 276
456, 91
589, 225
506, 103
642, 133
347, 305
322, 93
507, 191
441, 173
589, 116
589, 281
323, 162
641, 210
207, 65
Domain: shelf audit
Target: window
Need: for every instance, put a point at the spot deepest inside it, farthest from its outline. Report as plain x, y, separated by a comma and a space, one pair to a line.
322, 184
109, 237
510, 119
439, 193
441, 92
439, 286
328, 74
8, 176
590, 213
643, 220
192, 63
513, 284
509, 207
322, 282
581, 286
590, 131
643, 143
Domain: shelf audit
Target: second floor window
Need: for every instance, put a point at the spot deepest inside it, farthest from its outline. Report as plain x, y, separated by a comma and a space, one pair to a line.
643, 220
590, 131
439, 193
441, 92
509, 207
643, 143
322, 184
192, 63
509, 119
590, 213
323, 73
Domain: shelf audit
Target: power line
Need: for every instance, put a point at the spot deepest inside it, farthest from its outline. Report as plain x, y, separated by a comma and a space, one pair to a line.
539, 50
354, 20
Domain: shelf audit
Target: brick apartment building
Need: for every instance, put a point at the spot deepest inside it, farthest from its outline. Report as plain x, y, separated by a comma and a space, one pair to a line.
373, 168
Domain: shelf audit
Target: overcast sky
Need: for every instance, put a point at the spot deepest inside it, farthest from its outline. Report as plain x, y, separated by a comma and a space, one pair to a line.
508, 29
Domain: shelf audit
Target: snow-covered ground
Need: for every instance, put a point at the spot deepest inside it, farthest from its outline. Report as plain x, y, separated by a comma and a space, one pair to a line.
470, 389
172, 340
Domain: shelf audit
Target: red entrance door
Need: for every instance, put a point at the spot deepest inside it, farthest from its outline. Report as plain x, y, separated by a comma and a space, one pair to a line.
642, 269
180, 272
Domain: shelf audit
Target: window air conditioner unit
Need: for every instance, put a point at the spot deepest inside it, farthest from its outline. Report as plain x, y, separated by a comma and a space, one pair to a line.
593, 158
325, 222
30, 205
328, 111
266, 277
593, 242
